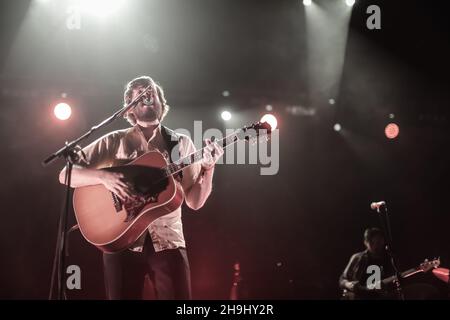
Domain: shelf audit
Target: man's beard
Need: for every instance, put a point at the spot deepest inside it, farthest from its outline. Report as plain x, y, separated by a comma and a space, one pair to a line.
147, 114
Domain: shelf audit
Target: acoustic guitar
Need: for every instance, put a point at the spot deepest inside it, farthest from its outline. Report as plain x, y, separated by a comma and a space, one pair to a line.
111, 225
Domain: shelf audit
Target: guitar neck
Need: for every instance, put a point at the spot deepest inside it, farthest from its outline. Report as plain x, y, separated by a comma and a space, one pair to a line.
405, 274
197, 156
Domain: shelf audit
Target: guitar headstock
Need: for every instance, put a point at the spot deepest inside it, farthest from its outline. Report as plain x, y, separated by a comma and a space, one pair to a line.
260, 126
255, 130
428, 265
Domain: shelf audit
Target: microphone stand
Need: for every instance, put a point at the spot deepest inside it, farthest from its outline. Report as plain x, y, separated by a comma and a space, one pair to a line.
70, 152
384, 217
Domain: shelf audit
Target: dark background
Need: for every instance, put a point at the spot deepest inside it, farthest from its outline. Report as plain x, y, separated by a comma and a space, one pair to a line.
293, 232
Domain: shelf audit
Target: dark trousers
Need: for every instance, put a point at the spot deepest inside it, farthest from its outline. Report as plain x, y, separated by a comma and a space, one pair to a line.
168, 271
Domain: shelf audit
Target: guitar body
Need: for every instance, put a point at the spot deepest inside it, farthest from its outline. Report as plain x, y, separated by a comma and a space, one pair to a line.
111, 225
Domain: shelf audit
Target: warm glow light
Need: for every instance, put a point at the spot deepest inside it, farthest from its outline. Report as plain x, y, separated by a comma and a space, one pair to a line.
350, 2
337, 127
226, 115
62, 111
101, 8
271, 120
392, 130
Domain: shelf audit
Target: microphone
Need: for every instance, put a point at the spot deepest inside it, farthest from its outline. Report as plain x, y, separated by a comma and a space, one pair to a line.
377, 205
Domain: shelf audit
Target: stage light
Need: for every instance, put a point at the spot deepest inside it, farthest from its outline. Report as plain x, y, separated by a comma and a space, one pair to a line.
62, 111
391, 116
442, 274
392, 130
270, 119
226, 115
307, 2
226, 93
337, 127
101, 8
349, 2
269, 107
331, 101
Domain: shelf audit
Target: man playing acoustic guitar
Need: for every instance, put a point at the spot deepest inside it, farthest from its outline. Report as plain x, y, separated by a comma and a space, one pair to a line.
163, 247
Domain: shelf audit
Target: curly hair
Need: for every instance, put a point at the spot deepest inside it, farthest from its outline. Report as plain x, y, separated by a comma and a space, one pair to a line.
143, 81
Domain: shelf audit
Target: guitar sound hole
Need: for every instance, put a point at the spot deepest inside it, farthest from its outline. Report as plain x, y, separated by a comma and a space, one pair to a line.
148, 183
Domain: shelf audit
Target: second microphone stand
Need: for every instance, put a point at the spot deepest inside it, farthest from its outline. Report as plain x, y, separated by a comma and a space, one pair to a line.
384, 217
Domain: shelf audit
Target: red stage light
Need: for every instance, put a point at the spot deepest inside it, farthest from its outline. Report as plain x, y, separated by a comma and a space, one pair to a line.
392, 130
442, 274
